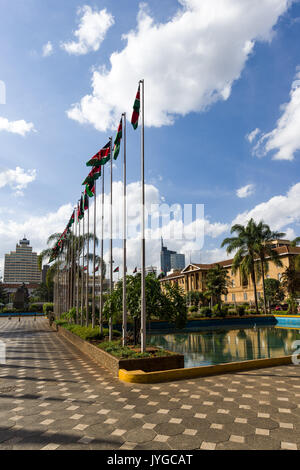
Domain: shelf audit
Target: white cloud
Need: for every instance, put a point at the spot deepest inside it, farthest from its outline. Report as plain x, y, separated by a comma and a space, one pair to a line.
17, 179
188, 63
252, 135
284, 139
93, 26
47, 49
20, 127
278, 212
245, 191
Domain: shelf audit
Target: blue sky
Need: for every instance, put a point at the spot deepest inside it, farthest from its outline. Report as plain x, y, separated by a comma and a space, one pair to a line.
200, 106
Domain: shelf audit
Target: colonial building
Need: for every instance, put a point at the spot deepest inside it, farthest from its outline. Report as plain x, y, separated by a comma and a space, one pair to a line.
193, 276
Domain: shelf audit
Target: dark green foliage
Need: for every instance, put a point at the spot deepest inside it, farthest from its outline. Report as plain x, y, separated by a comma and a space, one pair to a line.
48, 307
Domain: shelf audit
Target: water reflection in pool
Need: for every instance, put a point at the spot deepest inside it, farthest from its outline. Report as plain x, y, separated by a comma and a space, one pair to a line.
224, 345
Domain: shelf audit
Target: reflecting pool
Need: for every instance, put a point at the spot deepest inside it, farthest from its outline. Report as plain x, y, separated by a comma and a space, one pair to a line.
228, 345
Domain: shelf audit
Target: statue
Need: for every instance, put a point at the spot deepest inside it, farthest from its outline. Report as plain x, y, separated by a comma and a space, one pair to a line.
21, 298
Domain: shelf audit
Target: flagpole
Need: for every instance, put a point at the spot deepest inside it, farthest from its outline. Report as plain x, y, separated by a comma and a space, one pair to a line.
101, 256
77, 267
111, 235
94, 259
124, 325
82, 272
87, 267
143, 281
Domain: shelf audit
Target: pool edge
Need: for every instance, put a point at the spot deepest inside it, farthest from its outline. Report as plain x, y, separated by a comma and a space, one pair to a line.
139, 376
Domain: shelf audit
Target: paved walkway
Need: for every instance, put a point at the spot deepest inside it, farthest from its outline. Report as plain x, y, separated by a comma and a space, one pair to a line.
54, 397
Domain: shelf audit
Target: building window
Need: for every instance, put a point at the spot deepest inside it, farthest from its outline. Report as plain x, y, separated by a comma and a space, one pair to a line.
258, 295
245, 296
233, 283
225, 298
233, 297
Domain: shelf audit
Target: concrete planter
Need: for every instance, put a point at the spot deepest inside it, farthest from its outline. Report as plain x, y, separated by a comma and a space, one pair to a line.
174, 361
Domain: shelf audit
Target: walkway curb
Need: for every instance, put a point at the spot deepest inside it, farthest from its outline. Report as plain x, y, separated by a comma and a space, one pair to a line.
139, 376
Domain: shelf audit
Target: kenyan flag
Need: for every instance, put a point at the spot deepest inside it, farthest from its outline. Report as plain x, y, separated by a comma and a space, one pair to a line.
90, 189
116, 270
93, 175
80, 210
86, 201
117, 142
136, 110
71, 221
101, 157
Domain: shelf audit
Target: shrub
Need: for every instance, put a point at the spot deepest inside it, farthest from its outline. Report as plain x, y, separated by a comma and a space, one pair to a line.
240, 310
35, 308
224, 311
206, 311
48, 307
193, 309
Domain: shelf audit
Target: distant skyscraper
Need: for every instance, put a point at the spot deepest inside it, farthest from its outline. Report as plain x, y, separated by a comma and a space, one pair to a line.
177, 261
170, 259
21, 265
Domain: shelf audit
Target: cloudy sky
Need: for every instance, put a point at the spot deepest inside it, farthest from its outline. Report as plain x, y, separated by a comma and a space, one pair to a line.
222, 111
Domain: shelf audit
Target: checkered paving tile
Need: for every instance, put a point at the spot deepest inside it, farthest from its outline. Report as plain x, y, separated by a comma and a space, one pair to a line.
53, 397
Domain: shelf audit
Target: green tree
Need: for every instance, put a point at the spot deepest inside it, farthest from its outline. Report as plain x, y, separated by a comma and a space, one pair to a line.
244, 244
265, 252
273, 291
216, 284
3, 295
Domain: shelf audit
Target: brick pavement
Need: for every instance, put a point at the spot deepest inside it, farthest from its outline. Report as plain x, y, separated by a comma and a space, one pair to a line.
53, 397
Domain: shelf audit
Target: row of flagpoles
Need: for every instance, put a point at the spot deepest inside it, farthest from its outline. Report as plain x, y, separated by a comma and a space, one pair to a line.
70, 279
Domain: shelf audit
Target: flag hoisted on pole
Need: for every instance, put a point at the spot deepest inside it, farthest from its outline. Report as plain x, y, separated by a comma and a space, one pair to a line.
82, 271
111, 236
124, 326
87, 207
138, 104
77, 264
94, 261
101, 257
143, 280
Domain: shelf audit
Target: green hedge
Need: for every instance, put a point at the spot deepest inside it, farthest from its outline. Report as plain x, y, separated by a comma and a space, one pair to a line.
86, 333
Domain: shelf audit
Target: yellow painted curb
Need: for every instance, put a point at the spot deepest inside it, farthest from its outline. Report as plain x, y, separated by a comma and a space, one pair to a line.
139, 376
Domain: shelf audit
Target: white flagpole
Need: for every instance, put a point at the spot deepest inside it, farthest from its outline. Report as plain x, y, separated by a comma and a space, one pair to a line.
77, 266
94, 261
87, 267
100, 269
82, 271
143, 282
111, 234
124, 325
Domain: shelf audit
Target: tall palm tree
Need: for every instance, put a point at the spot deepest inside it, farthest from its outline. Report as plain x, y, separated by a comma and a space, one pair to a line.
216, 283
244, 243
265, 251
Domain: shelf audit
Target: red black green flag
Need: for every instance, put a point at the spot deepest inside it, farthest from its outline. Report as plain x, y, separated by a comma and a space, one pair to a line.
101, 157
86, 201
135, 270
136, 110
116, 270
80, 210
117, 142
90, 189
93, 175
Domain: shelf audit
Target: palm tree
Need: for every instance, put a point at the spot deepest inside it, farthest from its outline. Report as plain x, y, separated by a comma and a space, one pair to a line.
245, 244
216, 283
69, 256
265, 251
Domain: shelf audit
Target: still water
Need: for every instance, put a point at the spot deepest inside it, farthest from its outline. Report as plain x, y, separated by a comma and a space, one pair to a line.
224, 345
